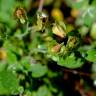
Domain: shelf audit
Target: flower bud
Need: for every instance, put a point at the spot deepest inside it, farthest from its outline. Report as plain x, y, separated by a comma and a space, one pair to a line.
21, 15
58, 30
56, 48
57, 14
72, 42
74, 13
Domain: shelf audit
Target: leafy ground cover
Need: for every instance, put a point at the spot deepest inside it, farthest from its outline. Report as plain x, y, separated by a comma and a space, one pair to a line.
47, 48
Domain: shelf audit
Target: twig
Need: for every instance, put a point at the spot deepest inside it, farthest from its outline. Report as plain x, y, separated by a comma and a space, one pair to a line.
77, 72
41, 5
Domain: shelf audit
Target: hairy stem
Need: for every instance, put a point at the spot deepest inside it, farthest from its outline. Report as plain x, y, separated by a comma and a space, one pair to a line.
41, 5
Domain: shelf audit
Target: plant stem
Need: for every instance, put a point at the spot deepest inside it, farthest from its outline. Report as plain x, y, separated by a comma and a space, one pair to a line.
77, 72
41, 5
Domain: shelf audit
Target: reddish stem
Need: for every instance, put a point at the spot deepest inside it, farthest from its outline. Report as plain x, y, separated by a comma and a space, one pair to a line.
77, 72
41, 5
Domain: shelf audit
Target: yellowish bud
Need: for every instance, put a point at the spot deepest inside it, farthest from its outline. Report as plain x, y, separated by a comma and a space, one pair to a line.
57, 14
74, 13
58, 30
72, 42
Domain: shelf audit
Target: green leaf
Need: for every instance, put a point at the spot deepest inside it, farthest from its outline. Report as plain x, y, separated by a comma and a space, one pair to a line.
11, 57
38, 70
6, 6
70, 62
88, 20
25, 62
91, 55
27, 3
8, 83
77, 3
43, 91
93, 3
93, 31
2, 66
88, 15
6, 12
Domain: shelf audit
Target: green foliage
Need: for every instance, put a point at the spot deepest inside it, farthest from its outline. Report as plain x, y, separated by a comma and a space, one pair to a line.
8, 83
88, 15
91, 55
42, 91
70, 61
38, 70
77, 4
34, 48
6, 10
11, 57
